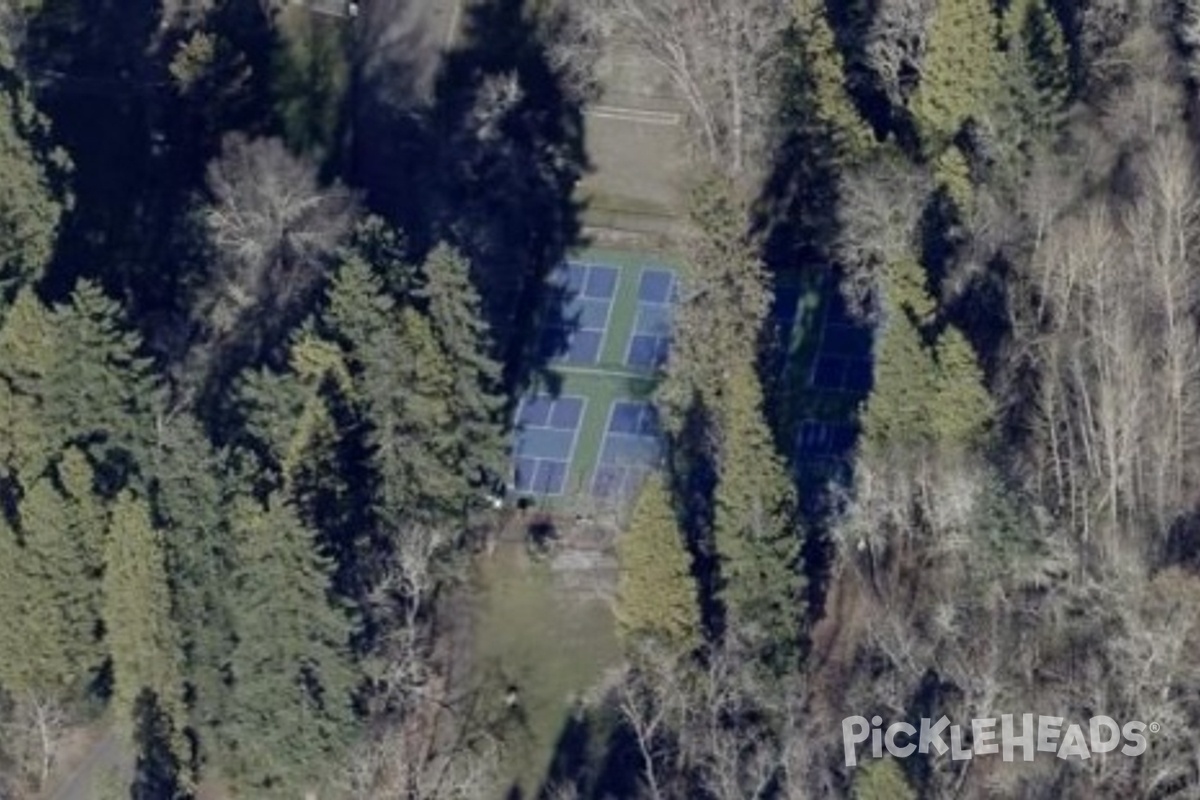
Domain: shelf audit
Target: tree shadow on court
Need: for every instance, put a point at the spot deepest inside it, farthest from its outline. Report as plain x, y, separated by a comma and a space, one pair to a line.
797, 216
489, 163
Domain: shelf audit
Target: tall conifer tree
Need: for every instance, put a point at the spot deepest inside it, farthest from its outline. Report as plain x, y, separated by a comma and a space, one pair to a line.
657, 595
141, 636
289, 716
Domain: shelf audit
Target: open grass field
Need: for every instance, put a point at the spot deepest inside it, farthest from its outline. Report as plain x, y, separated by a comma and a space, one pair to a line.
636, 143
551, 645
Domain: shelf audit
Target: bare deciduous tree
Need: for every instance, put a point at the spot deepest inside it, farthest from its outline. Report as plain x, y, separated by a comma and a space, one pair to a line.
895, 45
1111, 333
721, 56
651, 697
879, 211
272, 225
34, 735
411, 761
427, 744
573, 47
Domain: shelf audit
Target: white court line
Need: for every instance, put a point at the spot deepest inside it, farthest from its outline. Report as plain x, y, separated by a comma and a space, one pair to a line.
664, 118
538, 460
600, 451
612, 302
641, 304
612, 373
574, 446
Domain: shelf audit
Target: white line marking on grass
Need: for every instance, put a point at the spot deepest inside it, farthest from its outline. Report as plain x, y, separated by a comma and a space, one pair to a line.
669, 119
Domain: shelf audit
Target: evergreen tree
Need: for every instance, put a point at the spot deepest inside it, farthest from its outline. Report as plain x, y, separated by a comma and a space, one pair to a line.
820, 134
359, 308
725, 300
190, 490
1035, 42
823, 87
960, 72
953, 176
272, 405
102, 390
656, 593
476, 398
1031, 110
289, 715
964, 407
28, 349
30, 205
140, 633
316, 364
414, 437
881, 779
924, 394
905, 389
310, 73
385, 249
756, 529
424, 386
72, 375
50, 594
754, 535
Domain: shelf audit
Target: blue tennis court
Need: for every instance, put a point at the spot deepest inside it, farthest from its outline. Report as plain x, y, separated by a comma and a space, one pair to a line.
632, 447
547, 429
589, 289
844, 356
785, 308
650, 341
820, 440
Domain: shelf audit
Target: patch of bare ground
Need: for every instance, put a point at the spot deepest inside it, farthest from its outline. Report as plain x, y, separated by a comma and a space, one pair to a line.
835, 640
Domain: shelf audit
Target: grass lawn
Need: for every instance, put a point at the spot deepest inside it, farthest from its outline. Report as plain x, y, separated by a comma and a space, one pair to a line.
549, 643
311, 78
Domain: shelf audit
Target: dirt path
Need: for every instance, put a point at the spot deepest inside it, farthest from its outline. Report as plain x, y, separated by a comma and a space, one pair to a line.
835, 641
104, 757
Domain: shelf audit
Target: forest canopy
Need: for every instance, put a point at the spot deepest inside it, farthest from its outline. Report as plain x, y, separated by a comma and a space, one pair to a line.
274, 282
